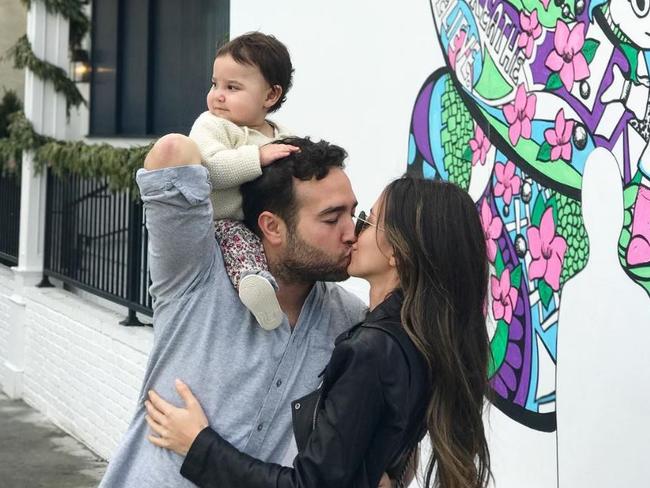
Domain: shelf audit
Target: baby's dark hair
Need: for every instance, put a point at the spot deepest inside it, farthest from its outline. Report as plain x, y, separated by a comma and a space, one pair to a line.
268, 54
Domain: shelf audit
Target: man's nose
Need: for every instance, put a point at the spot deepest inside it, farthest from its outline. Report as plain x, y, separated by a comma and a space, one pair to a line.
348, 232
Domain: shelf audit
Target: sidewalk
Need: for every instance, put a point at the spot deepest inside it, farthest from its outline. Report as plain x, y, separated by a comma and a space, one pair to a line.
36, 454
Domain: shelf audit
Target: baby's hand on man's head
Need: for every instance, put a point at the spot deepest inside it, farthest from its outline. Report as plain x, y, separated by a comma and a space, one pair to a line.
272, 152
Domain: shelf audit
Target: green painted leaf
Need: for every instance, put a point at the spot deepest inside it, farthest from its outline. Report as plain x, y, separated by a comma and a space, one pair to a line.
467, 155
491, 85
499, 265
642, 272
515, 277
544, 153
552, 203
554, 82
627, 218
498, 347
545, 292
629, 196
632, 55
538, 210
589, 49
624, 239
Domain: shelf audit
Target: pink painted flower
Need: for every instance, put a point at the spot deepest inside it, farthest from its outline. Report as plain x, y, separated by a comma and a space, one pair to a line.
492, 227
455, 46
530, 32
638, 252
480, 146
504, 296
559, 137
519, 115
547, 250
567, 59
508, 183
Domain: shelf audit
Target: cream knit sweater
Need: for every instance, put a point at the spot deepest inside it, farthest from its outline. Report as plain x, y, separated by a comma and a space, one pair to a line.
232, 156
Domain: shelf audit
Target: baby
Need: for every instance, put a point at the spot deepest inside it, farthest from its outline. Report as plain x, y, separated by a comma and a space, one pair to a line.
251, 77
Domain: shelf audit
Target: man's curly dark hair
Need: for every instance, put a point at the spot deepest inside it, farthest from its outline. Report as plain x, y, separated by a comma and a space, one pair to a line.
274, 190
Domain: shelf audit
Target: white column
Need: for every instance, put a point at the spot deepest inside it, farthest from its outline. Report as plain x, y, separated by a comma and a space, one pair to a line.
46, 109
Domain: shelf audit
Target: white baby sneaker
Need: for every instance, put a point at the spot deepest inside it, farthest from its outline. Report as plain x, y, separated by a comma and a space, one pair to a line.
257, 293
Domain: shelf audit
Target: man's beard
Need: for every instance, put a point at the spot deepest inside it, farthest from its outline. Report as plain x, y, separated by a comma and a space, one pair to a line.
303, 262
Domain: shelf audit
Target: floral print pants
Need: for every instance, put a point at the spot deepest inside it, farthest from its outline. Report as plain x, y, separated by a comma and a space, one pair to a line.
242, 250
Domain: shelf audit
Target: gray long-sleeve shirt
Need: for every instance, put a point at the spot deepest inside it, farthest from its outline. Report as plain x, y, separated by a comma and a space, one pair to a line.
245, 377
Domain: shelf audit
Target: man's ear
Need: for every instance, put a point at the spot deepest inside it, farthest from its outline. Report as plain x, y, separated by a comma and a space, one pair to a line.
272, 96
272, 227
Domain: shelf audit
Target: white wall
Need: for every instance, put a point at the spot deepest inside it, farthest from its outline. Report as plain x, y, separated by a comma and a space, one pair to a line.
6, 290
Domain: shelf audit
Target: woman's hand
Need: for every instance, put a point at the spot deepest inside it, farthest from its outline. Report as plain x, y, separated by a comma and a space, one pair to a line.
176, 428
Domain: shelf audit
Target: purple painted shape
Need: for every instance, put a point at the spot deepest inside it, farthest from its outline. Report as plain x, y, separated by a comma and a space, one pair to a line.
516, 329
420, 122
513, 356
499, 386
508, 376
537, 67
627, 174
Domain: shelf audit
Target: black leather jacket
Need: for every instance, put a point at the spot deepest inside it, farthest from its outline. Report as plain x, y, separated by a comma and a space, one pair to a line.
367, 414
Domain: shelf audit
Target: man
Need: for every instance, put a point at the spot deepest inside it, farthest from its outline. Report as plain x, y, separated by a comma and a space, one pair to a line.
246, 377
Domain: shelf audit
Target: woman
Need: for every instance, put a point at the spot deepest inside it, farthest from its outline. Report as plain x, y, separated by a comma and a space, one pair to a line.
416, 365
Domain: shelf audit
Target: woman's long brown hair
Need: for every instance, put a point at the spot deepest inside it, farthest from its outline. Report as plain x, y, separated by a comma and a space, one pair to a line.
441, 258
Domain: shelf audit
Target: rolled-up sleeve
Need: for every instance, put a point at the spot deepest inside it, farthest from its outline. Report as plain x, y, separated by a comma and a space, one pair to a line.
178, 215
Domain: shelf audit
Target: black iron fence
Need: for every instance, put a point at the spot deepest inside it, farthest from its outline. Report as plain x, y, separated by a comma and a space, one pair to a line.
95, 239
9, 218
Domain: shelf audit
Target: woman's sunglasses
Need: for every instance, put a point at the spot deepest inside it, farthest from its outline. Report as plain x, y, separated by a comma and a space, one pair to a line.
362, 224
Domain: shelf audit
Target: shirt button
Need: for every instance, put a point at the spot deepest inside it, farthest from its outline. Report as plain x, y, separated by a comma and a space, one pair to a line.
260, 427
297, 406
278, 383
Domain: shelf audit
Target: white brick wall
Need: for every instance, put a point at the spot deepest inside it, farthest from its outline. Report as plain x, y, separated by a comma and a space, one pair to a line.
82, 369
6, 289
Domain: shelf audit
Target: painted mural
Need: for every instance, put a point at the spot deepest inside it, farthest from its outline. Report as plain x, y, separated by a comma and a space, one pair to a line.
529, 90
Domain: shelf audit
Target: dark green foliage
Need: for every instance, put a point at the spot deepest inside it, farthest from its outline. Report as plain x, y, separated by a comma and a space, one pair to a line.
88, 160
24, 57
9, 104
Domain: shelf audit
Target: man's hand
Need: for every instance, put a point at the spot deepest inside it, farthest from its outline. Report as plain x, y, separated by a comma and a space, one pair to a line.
176, 428
272, 152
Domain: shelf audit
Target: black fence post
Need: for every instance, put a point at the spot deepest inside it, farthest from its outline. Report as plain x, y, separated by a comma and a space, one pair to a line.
49, 195
9, 218
134, 261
